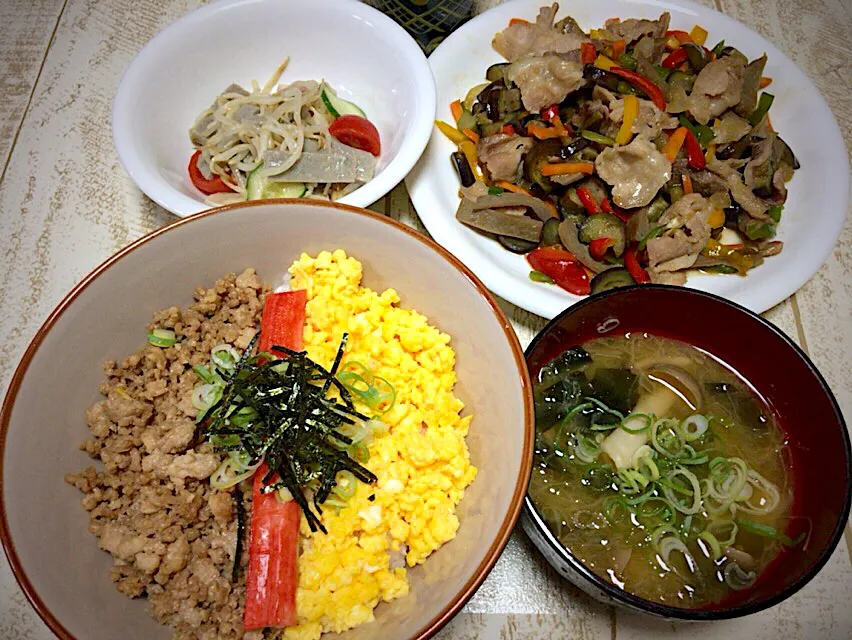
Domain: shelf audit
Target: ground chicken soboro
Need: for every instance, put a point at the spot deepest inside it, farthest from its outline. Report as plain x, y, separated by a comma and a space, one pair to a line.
152, 507
173, 536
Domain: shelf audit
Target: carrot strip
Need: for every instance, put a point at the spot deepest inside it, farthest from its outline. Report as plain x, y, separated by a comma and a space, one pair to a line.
765, 82
514, 188
514, 21
544, 133
618, 47
687, 183
587, 53
562, 168
456, 109
470, 133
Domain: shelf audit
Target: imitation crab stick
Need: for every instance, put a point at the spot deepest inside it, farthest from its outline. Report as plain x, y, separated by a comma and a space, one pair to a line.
272, 575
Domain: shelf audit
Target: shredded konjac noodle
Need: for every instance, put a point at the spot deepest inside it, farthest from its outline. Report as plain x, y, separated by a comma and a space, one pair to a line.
267, 131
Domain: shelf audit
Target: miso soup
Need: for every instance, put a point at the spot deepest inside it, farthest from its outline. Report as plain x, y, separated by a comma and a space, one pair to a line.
659, 469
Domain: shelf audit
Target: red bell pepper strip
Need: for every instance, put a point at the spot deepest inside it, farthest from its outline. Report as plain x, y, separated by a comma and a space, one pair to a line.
643, 83
562, 267
631, 263
588, 53
508, 129
675, 58
272, 577
598, 247
549, 113
620, 213
694, 152
587, 200
682, 36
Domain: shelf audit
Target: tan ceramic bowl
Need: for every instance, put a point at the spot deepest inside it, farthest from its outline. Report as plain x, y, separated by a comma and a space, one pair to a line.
43, 526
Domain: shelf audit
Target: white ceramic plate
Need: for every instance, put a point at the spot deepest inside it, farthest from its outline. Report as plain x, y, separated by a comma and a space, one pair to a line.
363, 54
818, 194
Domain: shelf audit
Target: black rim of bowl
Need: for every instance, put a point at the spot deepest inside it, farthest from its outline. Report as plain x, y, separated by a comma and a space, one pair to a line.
666, 611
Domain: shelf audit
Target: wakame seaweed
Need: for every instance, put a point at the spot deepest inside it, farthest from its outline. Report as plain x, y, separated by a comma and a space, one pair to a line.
280, 410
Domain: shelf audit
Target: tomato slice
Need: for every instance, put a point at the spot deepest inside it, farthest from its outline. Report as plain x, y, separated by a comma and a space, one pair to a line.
358, 132
565, 270
214, 185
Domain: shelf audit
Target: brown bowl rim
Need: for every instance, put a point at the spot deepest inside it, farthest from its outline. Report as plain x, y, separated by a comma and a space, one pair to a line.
638, 603
515, 506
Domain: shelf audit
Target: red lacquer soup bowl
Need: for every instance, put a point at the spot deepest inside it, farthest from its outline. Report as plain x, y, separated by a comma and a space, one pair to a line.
778, 371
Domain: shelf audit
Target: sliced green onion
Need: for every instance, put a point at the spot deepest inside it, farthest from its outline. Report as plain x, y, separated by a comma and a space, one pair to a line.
669, 488
712, 543
669, 443
206, 395
224, 356
231, 472
586, 449
636, 423
760, 529
719, 528
693, 427
772, 496
162, 338
660, 532
672, 543
631, 482
612, 507
359, 452
205, 374
346, 485
372, 390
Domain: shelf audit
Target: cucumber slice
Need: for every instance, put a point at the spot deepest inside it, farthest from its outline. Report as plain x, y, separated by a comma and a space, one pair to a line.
338, 106
260, 188
284, 190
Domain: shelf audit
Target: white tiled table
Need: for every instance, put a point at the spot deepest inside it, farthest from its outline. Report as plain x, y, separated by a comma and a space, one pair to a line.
66, 204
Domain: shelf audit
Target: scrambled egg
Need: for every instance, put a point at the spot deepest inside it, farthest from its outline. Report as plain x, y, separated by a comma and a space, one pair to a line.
422, 463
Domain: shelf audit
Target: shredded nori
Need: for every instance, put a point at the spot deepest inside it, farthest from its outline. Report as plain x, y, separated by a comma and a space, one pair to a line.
241, 527
281, 411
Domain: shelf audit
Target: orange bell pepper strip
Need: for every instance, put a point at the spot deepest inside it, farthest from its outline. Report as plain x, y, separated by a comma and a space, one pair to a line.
618, 47
588, 53
514, 21
687, 183
563, 168
675, 142
272, 575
